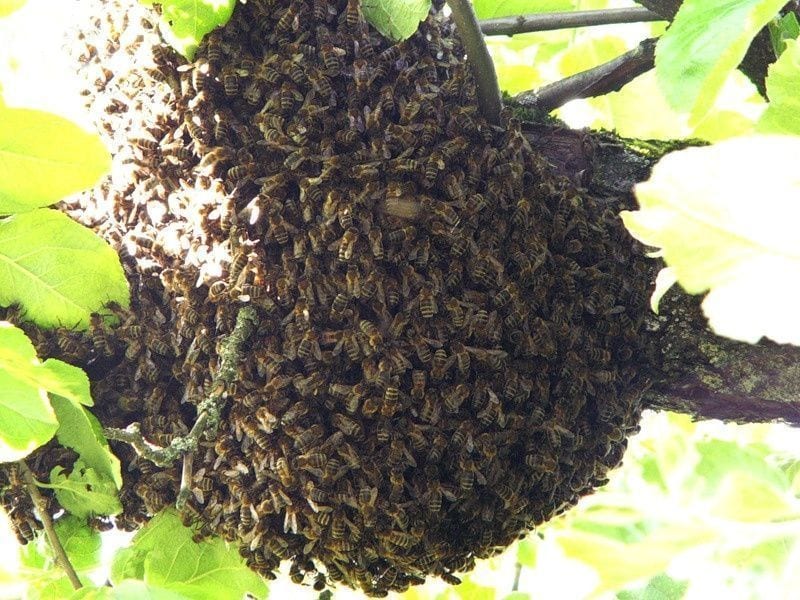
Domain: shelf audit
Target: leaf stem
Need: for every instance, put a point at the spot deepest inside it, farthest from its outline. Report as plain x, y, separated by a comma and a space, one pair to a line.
480, 62
41, 507
567, 20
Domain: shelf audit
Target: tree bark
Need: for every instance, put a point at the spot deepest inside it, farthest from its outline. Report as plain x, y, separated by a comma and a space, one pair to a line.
692, 370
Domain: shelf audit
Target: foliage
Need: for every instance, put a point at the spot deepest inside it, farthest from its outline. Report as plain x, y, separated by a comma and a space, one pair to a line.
80, 430
34, 171
62, 281
27, 419
84, 492
725, 218
783, 113
705, 42
684, 496
185, 22
38, 565
163, 554
493, 9
9, 6
395, 19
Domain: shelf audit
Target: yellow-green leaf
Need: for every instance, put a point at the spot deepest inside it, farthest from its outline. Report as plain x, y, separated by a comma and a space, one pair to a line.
187, 21
57, 270
395, 19
704, 43
725, 217
742, 497
783, 81
9, 6
26, 418
44, 157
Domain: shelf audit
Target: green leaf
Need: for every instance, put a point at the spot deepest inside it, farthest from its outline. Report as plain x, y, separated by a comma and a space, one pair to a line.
9, 6
81, 542
783, 78
44, 157
44, 577
80, 430
745, 498
725, 218
130, 589
53, 375
57, 270
768, 557
27, 419
782, 29
66, 380
527, 550
705, 42
493, 9
84, 492
660, 587
164, 555
187, 21
395, 19
470, 590
719, 458
618, 564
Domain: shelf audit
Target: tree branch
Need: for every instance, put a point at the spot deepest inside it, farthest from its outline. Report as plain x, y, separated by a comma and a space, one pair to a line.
488, 90
711, 377
41, 507
602, 79
208, 411
566, 20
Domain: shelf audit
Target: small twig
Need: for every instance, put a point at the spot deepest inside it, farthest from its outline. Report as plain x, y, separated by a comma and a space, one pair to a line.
41, 507
605, 78
208, 410
488, 90
186, 480
517, 573
567, 20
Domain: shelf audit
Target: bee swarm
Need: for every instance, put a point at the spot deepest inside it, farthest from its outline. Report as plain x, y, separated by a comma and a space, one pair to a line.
445, 355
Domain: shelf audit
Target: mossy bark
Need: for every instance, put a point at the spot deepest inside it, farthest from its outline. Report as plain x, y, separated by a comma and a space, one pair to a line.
692, 370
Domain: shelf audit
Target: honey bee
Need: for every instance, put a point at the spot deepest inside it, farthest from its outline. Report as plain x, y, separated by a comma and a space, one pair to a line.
347, 425
450, 579
148, 371
331, 57
230, 81
101, 342
347, 244
440, 365
321, 83
214, 46
371, 331
353, 14
146, 143
427, 302
361, 76
431, 410
160, 346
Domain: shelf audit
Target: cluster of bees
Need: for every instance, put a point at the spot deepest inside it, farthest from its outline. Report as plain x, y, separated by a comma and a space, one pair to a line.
448, 332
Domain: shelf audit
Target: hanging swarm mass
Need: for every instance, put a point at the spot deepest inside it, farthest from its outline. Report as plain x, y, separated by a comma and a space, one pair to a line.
447, 331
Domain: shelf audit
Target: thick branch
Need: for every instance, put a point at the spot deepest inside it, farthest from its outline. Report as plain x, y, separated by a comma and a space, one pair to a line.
41, 507
693, 370
605, 78
566, 20
712, 377
488, 89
